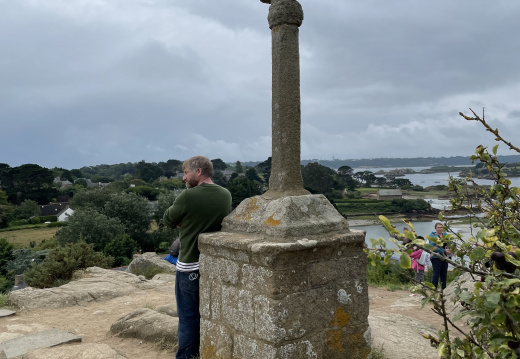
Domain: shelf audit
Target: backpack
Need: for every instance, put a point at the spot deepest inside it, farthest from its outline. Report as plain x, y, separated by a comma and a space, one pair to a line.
422, 259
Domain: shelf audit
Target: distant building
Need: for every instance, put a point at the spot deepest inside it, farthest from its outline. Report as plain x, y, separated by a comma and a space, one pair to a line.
64, 183
62, 211
389, 194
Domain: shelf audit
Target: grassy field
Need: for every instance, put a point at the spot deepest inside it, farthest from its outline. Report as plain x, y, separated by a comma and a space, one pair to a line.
23, 237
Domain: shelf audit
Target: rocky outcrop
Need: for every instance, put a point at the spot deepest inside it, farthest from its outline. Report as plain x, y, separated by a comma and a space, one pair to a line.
96, 284
453, 305
147, 262
83, 351
147, 324
400, 336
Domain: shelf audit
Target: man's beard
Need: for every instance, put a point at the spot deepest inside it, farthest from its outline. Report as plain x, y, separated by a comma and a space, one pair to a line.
190, 183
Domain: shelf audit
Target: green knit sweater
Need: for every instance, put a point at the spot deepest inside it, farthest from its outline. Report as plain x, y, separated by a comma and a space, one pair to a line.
199, 209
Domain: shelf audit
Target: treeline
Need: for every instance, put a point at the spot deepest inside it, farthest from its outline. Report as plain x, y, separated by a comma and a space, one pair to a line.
401, 162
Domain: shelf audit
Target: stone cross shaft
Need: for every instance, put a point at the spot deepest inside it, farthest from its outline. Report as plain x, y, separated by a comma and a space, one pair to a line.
285, 16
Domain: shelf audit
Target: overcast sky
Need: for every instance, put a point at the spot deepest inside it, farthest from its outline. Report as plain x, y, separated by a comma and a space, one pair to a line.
88, 82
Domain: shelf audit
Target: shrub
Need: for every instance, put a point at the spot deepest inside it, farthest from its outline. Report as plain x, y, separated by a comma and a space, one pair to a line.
389, 274
90, 226
6, 283
122, 248
59, 266
23, 259
27, 209
6, 254
4, 302
47, 244
491, 310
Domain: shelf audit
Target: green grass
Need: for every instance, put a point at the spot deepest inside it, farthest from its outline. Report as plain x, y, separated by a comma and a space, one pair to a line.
4, 301
22, 237
378, 353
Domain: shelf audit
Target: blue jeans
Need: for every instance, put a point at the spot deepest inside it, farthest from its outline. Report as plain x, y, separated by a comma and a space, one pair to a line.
440, 269
187, 296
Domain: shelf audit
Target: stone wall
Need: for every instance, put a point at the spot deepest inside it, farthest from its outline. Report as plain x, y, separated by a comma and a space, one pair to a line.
283, 298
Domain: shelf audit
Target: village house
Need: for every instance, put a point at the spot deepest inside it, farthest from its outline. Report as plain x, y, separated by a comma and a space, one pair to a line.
61, 210
389, 194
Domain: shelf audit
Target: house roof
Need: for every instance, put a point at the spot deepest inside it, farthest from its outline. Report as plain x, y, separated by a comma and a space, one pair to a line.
390, 192
53, 209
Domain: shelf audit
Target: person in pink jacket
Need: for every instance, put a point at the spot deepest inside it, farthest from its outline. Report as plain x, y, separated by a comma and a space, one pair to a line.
416, 266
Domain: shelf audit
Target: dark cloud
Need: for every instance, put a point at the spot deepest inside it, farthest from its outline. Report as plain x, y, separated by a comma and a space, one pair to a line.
123, 81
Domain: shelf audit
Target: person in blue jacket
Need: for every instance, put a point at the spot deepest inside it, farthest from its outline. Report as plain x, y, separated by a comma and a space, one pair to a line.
440, 267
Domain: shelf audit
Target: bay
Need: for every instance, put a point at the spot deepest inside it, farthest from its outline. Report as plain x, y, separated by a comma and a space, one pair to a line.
433, 179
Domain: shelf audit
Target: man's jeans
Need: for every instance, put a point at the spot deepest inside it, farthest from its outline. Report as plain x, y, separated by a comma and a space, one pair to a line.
187, 296
440, 269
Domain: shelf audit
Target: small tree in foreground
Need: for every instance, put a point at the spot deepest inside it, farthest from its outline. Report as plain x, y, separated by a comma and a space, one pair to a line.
489, 255
61, 263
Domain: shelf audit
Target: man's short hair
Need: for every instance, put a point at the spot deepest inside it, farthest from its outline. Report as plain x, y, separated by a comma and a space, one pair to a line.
202, 162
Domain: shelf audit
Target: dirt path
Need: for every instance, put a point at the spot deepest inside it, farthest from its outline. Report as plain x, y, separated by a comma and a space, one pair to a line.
92, 321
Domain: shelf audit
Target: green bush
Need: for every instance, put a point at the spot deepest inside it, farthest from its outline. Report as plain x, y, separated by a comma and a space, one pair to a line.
34, 220
122, 248
23, 259
48, 219
390, 274
47, 244
59, 266
19, 222
6, 283
6, 254
4, 302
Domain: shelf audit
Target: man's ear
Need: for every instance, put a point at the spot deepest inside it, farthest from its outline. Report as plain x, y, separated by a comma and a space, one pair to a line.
199, 171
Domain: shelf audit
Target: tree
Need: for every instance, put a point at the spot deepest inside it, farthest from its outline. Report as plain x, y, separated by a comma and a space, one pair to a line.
368, 177
220, 178
132, 211
6, 254
92, 227
148, 171
31, 181
27, 209
94, 199
171, 167
264, 168
346, 170
380, 181
76, 173
61, 263
252, 175
401, 182
148, 192
242, 188
489, 256
238, 167
318, 178
6, 215
81, 182
164, 201
218, 164
122, 249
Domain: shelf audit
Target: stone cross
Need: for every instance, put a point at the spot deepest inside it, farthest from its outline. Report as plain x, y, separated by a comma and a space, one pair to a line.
285, 16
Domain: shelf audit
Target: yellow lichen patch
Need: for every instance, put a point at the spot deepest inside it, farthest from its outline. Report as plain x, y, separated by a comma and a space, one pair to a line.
207, 351
333, 340
252, 207
340, 319
272, 222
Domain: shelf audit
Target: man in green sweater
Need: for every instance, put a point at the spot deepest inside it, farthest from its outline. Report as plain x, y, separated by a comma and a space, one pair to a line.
201, 208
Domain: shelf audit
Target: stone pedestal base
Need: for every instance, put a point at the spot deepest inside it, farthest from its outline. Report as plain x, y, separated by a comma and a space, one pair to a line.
279, 297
